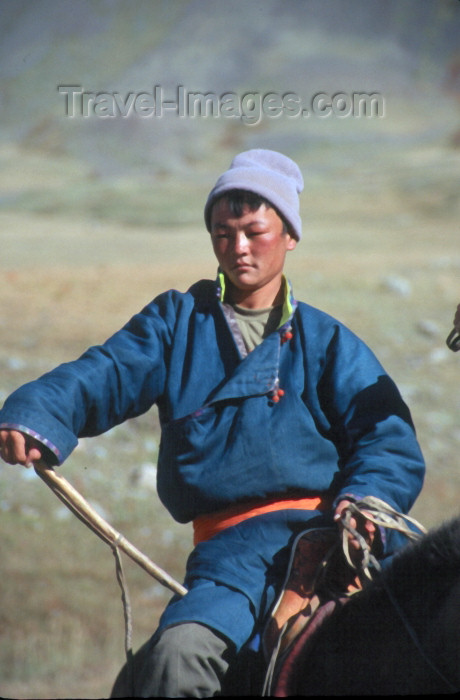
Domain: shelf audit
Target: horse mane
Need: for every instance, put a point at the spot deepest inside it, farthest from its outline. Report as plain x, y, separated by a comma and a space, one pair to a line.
430, 564
439, 550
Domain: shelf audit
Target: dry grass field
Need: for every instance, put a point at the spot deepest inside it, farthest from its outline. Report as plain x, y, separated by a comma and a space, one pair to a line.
381, 251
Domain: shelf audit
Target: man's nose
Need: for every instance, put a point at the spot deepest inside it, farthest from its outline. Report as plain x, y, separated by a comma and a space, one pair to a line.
241, 242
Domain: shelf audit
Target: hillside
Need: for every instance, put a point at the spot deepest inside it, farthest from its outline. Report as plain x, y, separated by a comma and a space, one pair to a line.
98, 214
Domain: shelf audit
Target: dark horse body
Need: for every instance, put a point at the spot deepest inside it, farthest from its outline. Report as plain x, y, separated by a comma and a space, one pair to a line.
367, 647
380, 643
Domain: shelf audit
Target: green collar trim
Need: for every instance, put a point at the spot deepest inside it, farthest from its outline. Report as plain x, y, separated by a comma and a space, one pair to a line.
289, 303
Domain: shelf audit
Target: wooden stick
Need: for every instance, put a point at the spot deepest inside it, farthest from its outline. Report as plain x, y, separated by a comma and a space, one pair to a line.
80, 507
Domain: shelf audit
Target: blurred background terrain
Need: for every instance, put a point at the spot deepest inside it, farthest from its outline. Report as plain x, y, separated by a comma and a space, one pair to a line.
97, 215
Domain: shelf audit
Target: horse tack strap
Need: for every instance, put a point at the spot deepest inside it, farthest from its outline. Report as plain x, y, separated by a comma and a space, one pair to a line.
453, 340
208, 525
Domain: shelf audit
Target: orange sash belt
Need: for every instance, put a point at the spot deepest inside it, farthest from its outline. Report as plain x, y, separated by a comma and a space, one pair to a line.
206, 526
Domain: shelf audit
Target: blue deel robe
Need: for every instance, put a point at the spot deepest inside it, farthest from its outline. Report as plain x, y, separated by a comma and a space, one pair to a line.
340, 429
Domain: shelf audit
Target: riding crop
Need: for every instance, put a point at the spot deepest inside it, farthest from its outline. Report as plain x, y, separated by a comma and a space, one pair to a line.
86, 513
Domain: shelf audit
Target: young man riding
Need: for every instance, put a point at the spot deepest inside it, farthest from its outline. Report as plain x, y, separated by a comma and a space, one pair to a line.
274, 417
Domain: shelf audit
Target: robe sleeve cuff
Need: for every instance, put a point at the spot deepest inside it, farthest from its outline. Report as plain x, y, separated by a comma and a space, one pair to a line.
47, 443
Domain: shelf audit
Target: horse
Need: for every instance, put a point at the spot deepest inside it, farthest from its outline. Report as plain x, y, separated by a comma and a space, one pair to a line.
400, 635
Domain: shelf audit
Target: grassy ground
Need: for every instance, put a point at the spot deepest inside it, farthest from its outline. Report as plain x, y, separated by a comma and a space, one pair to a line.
380, 252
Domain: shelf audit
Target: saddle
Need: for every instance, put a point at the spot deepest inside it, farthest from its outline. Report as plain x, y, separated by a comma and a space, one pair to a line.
318, 578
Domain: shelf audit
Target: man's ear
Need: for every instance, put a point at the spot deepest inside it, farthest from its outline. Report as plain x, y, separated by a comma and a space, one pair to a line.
291, 242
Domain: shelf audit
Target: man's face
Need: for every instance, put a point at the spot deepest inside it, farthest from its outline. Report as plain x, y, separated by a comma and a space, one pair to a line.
250, 250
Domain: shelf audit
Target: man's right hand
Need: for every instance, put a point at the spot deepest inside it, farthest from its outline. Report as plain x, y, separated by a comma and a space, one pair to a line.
19, 448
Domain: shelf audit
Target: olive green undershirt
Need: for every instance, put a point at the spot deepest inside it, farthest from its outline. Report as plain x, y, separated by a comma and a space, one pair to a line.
256, 324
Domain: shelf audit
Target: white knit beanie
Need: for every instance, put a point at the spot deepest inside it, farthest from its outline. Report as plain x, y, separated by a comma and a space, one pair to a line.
271, 175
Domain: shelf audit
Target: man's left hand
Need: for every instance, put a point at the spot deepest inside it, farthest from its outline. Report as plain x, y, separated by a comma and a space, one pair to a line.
359, 523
